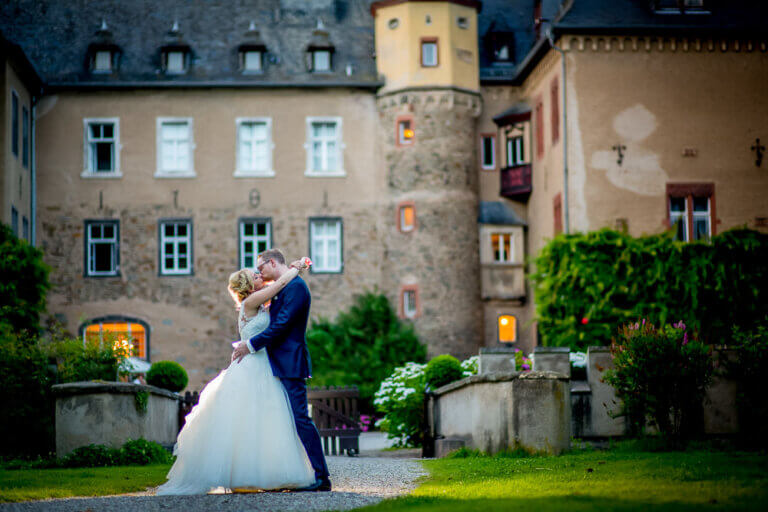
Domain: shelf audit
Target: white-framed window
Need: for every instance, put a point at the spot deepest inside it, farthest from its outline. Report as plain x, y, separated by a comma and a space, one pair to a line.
429, 54
175, 62
410, 308
515, 151
324, 147
678, 217
102, 147
702, 214
102, 61
255, 238
254, 147
175, 148
175, 247
325, 243
321, 61
252, 61
102, 254
503, 247
488, 151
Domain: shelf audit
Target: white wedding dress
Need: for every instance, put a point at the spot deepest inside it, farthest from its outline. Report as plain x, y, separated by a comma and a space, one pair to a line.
241, 433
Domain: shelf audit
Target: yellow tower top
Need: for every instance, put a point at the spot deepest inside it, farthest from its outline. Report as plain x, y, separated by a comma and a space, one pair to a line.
427, 43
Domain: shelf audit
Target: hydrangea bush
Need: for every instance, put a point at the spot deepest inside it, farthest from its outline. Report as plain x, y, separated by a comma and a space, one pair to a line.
401, 399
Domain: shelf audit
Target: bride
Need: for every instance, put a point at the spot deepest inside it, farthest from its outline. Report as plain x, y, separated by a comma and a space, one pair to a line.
241, 435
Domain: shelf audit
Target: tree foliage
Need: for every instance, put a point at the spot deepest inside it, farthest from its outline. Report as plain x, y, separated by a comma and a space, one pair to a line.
362, 346
23, 282
587, 284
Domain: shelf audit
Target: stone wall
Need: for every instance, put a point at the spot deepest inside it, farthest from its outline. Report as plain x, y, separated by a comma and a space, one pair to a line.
106, 413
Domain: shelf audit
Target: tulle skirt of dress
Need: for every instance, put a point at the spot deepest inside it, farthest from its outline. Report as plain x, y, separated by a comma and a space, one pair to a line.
241, 434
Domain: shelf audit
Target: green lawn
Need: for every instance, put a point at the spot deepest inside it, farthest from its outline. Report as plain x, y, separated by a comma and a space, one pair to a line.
619, 479
38, 484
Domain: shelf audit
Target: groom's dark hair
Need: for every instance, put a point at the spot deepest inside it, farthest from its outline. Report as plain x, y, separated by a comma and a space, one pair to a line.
273, 254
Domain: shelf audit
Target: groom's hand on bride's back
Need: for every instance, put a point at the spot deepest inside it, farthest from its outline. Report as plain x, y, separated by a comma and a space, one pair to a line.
241, 350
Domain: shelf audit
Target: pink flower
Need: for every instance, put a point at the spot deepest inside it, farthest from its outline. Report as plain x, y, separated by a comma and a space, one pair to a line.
685, 338
525, 367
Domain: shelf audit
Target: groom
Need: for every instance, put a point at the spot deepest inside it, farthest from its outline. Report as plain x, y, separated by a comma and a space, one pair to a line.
287, 349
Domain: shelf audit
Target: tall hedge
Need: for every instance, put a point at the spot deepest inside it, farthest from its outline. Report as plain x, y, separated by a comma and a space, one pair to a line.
586, 285
362, 346
23, 283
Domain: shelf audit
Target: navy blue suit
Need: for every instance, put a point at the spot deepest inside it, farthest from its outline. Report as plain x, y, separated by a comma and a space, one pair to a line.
286, 344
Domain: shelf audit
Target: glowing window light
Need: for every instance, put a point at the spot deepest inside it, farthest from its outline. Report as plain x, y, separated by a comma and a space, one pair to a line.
507, 329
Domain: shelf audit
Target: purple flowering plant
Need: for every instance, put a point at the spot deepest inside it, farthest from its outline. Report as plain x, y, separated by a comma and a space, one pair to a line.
660, 374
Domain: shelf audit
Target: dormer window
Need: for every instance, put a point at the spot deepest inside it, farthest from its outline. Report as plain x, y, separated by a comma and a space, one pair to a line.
175, 62
252, 61
502, 52
102, 62
321, 61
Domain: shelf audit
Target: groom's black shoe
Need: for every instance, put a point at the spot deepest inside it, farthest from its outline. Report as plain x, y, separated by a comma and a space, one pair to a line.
320, 485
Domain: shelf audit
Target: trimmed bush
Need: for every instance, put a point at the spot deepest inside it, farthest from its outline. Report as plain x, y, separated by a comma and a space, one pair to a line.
587, 284
23, 283
662, 374
362, 347
167, 375
442, 370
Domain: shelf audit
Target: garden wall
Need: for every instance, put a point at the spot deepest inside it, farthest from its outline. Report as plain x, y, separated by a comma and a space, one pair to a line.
109, 413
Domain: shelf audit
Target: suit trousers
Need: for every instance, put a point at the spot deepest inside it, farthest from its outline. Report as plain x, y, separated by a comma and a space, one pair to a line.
310, 438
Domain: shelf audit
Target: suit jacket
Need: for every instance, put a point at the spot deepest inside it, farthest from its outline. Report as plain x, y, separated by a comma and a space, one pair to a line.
285, 338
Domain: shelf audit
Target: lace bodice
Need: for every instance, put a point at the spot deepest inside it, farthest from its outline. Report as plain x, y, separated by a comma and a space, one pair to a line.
250, 327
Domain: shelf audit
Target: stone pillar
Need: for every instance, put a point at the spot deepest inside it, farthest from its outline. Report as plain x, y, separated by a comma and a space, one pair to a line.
436, 173
603, 402
552, 359
496, 359
106, 413
541, 412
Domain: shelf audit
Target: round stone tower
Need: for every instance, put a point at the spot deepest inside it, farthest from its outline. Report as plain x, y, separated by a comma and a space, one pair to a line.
427, 54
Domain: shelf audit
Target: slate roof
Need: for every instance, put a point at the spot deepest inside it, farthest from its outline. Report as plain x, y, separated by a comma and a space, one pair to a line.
56, 34
496, 212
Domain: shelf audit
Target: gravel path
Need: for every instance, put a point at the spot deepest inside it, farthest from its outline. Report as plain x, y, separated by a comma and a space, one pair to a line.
357, 482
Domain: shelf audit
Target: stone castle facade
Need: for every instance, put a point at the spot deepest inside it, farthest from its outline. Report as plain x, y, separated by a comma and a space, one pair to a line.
427, 149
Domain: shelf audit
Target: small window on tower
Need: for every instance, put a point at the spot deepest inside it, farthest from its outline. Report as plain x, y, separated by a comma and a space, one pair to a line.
252, 61
405, 132
507, 329
407, 217
429, 53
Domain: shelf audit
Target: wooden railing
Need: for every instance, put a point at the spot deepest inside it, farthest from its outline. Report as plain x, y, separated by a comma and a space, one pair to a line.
333, 410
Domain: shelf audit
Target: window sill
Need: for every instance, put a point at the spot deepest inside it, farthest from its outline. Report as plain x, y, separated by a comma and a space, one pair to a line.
184, 174
488, 168
175, 274
325, 174
501, 264
116, 274
254, 174
96, 175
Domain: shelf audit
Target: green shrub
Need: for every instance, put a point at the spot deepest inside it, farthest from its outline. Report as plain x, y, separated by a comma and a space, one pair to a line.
27, 405
143, 452
662, 374
442, 370
167, 375
78, 361
362, 347
750, 369
93, 455
23, 283
586, 284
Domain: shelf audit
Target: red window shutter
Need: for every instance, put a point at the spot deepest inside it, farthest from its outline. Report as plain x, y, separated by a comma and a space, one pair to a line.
557, 210
554, 99
539, 129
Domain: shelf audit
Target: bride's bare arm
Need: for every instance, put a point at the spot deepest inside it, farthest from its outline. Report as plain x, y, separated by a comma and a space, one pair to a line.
256, 299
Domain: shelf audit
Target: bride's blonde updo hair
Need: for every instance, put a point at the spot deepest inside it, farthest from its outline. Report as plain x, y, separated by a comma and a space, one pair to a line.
242, 283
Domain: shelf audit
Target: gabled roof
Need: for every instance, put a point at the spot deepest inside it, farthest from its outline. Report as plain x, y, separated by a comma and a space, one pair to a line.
56, 34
